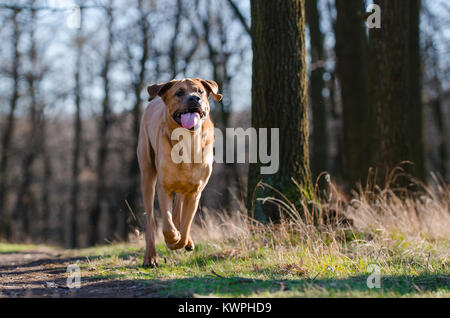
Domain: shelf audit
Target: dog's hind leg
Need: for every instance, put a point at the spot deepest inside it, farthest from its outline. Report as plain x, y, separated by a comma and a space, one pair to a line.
148, 191
146, 157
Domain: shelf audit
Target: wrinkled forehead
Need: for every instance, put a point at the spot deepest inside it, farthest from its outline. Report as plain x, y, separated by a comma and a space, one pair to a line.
188, 85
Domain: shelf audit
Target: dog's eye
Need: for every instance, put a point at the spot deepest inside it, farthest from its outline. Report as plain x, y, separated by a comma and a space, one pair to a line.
201, 92
180, 93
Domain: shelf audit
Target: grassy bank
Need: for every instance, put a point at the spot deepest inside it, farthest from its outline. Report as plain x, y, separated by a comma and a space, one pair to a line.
407, 239
228, 269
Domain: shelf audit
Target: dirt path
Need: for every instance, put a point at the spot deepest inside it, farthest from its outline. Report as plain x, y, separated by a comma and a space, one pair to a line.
43, 273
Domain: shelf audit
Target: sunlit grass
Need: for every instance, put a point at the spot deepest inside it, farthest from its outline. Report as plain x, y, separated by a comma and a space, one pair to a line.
15, 248
235, 256
408, 239
227, 269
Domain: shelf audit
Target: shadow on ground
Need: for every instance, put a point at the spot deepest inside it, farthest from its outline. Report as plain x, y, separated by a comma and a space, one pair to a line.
31, 280
44, 274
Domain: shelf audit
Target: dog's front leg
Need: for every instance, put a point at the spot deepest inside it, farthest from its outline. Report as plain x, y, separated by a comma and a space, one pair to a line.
170, 232
179, 198
190, 206
177, 212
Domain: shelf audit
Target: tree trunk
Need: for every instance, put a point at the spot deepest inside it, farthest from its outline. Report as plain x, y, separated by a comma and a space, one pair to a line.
320, 140
102, 151
47, 176
439, 117
71, 234
133, 171
279, 96
219, 60
390, 87
9, 129
437, 104
415, 112
25, 209
352, 72
173, 52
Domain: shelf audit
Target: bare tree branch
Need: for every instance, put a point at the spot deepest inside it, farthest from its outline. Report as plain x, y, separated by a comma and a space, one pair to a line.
241, 18
16, 7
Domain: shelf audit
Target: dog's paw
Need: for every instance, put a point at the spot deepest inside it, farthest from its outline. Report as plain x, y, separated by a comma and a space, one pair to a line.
176, 246
151, 262
172, 237
190, 245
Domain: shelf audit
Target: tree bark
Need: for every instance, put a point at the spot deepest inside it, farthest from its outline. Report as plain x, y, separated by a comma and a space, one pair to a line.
9, 129
415, 112
133, 169
352, 72
46, 187
173, 52
279, 96
103, 149
320, 140
390, 88
72, 231
25, 209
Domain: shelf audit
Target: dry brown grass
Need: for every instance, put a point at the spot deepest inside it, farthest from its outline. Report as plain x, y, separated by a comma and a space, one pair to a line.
422, 214
384, 222
380, 219
405, 234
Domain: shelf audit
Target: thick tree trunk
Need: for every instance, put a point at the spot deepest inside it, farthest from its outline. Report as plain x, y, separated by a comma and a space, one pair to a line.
437, 105
390, 87
9, 129
439, 117
279, 96
320, 140
352, 71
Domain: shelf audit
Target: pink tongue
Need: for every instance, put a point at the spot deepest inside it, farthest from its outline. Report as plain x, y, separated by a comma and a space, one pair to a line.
190, 120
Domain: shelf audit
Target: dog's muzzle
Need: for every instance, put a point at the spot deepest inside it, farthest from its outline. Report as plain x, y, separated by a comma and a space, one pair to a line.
191, 118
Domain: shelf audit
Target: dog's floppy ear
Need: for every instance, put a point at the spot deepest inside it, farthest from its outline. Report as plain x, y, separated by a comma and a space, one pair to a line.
159, 89
213, 88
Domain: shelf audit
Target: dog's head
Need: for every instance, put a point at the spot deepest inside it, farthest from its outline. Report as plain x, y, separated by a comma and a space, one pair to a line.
186, 100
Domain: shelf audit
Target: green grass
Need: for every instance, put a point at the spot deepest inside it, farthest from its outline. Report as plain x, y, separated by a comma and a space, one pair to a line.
254, 271
249, 268
6, 248
407, 237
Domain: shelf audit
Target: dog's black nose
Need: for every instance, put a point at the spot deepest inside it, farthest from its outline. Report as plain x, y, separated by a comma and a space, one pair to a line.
193, 100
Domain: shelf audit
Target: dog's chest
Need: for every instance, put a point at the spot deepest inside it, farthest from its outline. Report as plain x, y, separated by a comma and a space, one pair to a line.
184, 167
185, 178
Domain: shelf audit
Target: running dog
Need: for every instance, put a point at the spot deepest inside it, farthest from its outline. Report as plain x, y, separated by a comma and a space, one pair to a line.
178, 104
